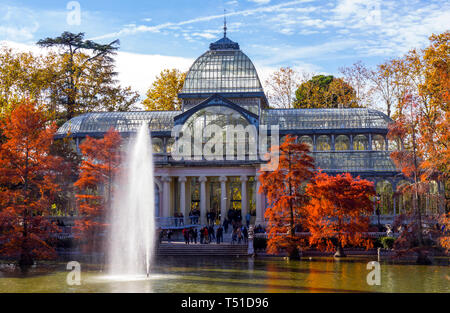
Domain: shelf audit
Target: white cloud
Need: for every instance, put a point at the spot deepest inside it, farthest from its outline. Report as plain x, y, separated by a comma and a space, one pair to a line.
17, 24
157, 28
260, 1
140, 70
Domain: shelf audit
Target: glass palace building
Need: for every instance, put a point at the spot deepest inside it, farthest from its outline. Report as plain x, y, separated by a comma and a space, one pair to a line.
222, 88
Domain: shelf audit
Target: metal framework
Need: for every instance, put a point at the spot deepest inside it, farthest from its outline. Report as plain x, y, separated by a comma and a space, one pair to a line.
222, 71
98, 123
341, 140
298, 119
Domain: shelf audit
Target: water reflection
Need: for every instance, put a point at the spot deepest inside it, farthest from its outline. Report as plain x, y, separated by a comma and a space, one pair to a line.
174, 274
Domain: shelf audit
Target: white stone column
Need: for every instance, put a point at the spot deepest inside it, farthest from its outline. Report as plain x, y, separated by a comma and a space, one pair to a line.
182, 181
223, 198
259, 203
166, 195
244, 201
202, 180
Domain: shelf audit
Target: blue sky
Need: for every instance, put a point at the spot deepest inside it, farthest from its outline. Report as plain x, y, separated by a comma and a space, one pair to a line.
319, 36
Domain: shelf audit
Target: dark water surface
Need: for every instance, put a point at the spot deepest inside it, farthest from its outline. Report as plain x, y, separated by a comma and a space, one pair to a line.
212, 274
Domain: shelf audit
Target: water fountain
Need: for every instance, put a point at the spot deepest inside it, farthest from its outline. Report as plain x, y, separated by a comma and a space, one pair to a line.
133, 217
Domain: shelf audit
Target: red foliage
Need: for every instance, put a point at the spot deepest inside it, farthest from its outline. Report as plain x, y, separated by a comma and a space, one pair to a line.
102, 159
284, 189
27, 176
444, 239
338, 209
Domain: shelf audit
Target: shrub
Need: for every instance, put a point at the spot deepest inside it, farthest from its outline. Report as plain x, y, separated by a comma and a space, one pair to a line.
387, 242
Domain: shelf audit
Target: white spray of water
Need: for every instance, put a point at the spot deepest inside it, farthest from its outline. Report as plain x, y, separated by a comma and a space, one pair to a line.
133, 217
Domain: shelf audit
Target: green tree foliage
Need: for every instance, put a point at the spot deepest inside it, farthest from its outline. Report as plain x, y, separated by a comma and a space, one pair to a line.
74, 77
84, 78
163, 94
23, 76
325, 92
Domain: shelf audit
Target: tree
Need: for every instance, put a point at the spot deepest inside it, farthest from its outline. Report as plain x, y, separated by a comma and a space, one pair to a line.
444, 239
163, 94
84, 77
284, 189
384, 88
435, 118
27, 176
325, 92
102, 159
23, 76
338, 211
65, 149
357, 76
408, 160
281, 86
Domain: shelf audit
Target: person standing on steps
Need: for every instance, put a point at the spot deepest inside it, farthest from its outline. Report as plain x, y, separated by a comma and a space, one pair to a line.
219, 234
202, 235
205, 235
225, 225
211, 233
186, 235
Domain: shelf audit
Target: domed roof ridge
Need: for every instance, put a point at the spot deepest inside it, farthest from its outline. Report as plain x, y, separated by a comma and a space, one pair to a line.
224, 44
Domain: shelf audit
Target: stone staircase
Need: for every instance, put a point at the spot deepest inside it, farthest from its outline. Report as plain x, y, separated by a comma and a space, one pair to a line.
182, 249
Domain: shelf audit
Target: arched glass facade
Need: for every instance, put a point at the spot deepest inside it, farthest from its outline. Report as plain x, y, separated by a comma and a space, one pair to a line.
342, 143
226, 119
360, 142
323, 143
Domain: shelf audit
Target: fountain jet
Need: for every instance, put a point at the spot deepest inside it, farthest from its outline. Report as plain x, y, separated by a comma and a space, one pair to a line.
133, 215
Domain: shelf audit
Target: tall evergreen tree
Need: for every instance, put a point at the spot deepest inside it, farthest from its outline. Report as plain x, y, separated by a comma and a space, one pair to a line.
85, 78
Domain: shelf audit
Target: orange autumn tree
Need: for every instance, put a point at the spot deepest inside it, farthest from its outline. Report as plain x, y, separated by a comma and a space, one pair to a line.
27, 178
444, 239
410, 160
338, 211
100, 165
284, 189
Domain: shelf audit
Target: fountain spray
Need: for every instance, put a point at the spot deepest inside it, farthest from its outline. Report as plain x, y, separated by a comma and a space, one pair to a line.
133, 216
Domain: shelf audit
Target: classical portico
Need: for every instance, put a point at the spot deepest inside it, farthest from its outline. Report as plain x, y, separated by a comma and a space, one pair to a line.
209, 190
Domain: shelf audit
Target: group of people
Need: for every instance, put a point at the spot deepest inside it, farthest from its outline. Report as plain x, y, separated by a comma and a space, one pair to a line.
240, 233
194, 215
207, 235
179, 218
190, 235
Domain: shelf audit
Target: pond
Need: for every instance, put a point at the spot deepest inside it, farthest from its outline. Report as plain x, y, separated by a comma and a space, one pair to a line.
231, 275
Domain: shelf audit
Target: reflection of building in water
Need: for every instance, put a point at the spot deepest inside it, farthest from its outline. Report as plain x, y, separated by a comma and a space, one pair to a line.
222, 88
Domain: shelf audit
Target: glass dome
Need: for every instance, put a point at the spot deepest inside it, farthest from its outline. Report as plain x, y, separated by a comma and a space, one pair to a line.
222, 69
